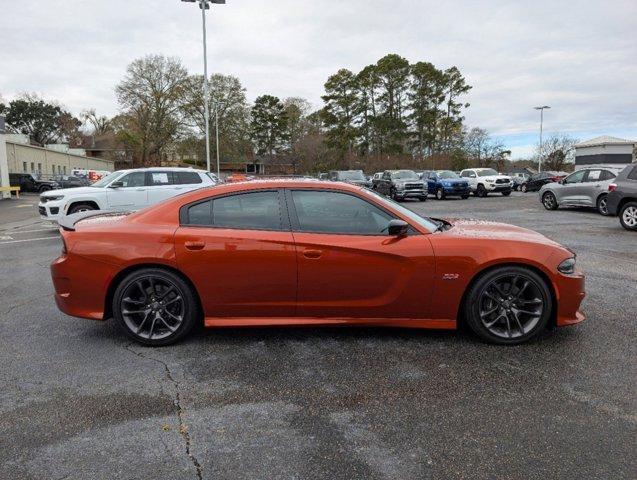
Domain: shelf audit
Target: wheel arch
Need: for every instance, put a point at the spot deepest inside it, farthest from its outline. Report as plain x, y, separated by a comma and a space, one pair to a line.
460, 316
93, 203
116, 280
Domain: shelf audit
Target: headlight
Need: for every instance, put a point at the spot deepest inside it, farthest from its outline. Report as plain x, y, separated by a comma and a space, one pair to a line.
400, 186
490, 181
567, 266
52, 198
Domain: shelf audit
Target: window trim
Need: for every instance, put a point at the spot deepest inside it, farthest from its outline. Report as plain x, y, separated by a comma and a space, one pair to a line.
294, 219
283, 215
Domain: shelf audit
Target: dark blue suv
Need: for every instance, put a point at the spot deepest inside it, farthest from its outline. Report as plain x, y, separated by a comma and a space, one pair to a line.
445, 183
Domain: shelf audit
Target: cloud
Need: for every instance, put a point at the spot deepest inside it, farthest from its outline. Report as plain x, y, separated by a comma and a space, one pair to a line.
578, 57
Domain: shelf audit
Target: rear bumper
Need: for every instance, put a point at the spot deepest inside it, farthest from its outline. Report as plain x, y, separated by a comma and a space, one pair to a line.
81, 285
612, 202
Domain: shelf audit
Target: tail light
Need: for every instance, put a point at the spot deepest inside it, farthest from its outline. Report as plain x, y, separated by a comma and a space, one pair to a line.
612, 187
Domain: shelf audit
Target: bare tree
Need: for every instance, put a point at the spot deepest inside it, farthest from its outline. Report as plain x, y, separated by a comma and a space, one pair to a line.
556, 152
99, 124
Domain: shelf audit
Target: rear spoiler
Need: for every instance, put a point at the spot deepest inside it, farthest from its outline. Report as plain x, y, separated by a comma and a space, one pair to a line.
68, 222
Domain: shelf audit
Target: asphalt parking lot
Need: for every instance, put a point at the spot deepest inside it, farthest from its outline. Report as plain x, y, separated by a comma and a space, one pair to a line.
78, 400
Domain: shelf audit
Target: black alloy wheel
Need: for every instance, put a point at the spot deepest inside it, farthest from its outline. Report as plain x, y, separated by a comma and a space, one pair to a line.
81, 207
602, 205
481, 191
508, 305
549, 201
154, 307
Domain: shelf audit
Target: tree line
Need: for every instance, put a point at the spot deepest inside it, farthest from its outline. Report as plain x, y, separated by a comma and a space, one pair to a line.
391, 114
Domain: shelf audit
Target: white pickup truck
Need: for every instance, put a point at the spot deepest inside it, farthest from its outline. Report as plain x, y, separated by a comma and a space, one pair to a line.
123, 190
483, 181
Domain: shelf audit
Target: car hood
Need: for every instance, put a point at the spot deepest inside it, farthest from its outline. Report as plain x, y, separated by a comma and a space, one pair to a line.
403, 181
452, 181
496, 231
496, 177
73, 191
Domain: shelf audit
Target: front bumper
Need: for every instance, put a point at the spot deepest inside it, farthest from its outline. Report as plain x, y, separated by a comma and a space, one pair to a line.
498, 187
570, 291
411, 193
460, 191
51, 211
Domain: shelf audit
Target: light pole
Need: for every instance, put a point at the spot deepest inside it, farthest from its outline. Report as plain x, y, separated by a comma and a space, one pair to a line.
541, 109
217, 136
205, 5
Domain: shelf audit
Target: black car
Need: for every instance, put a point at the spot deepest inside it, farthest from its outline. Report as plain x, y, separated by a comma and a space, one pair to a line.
30, 183
535, 182
402, 184
70, 181
622, 197
355, 177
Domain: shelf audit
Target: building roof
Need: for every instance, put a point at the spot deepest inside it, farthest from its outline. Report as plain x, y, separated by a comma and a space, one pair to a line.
605, 140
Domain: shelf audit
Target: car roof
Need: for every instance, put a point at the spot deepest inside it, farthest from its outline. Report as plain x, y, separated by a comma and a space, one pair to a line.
165, 169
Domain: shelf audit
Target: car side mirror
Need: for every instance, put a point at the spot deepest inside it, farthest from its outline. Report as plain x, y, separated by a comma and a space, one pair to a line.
116, 185
397, 228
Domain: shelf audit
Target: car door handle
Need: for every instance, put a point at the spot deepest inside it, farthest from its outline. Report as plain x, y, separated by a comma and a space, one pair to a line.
194, 245
312, 253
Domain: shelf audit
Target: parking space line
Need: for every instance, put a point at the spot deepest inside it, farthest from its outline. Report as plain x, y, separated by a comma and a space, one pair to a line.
29, 240
16, 232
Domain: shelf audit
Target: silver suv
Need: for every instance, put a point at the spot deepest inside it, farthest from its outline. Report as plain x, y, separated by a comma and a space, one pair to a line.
587, 187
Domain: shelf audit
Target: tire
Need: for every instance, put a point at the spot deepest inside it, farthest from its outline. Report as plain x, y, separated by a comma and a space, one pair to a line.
602, 205
506, 193
549, 201
481, 191
508, 305
524, 188
464, 197
81, 207
423, 198
440, 194
166, 307
628, 216
44, 189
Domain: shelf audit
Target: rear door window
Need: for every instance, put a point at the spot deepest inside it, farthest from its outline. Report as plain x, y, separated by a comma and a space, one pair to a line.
186, 178
160, 178
134, 179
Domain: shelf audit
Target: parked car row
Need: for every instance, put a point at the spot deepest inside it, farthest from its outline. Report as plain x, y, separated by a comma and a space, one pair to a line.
611, 190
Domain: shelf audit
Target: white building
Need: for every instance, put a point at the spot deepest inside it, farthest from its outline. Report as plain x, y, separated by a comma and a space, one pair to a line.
604, 150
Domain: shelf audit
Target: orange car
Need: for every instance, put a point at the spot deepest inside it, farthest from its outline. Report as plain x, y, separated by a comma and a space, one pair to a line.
309, 253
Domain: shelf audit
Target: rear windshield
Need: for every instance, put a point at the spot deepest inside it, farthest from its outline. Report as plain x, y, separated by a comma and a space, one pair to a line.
353, 175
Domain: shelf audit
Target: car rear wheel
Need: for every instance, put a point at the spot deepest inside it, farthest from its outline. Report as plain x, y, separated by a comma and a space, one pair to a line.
423, 198
155, 307
524, 188
506, 193
549, 201
481, 191
464, 197
628, 216
440, 194
602, 205
81, 207
508, 305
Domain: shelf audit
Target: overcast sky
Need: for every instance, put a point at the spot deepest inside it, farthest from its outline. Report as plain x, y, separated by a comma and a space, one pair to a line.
579, 57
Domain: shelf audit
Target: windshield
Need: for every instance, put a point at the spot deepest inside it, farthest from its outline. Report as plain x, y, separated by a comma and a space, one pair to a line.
106, 180
487, 172
351, 175
447, 174
423, 221
404, 175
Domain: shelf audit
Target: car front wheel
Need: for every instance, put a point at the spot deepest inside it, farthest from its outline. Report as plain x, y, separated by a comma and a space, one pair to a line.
628, 216
549, 201
155, 307
506, 193
524, 188
440, 194
481, 191
508, 305
81, 207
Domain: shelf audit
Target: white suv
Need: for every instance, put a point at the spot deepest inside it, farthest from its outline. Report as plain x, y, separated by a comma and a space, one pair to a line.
483, 181
124, 190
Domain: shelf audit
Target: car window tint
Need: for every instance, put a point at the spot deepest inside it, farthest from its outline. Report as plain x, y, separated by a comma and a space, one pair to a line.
633, 174
255, 210
161, 178
607, 175
134, 179
594, 175
333, 212
200, 213
186, 178
576, 177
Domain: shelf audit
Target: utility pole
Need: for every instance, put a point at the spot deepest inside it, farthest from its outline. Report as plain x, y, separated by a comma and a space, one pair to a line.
541, 109
205, 5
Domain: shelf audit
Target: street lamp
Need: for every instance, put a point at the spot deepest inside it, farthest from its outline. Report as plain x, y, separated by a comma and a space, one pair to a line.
205, 5
541, 109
